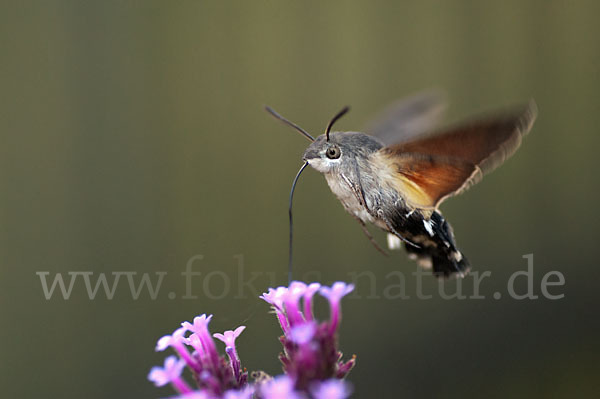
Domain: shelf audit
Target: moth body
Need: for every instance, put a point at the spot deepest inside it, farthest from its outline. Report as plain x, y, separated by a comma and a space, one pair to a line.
363, 183
397, 176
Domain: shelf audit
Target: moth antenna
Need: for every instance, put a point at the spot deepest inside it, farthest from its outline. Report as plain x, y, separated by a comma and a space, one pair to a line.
289, 123
292, 221
334, 119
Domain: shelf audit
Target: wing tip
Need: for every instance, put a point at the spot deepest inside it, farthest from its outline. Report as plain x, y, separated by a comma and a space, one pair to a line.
528, 117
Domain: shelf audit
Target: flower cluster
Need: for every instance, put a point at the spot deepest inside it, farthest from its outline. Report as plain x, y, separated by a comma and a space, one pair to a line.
311, 361
214, 375
310, 348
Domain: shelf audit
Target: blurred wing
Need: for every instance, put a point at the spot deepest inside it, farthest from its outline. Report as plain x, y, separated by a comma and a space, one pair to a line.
431, 169
408, 118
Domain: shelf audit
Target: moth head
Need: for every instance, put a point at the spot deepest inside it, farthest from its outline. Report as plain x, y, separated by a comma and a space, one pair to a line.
327, 151
342, 150
333, 150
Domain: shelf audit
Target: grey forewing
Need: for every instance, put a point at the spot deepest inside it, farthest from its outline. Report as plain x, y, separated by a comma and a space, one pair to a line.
409, 118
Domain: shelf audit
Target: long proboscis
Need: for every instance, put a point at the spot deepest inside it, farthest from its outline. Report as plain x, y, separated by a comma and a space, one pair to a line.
292, 221
289, 123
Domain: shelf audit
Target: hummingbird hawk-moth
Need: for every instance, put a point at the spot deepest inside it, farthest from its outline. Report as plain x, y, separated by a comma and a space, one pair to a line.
397, 176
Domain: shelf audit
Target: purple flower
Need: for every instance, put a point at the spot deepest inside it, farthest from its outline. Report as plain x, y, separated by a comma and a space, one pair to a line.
311, 359
274, 297
308, 295
228, 337
309, 348
291, 302
303, 333
245, 393
280, 387
331, 389
170, 373
207, 348
194, 341
213, 374
335, 294
194, 395
176, 341
344, 368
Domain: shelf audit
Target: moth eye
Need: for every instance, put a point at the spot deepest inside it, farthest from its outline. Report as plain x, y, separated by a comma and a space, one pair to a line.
333, 152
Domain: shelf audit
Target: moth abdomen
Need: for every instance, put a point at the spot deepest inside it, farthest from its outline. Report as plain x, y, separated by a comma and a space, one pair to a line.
436, 245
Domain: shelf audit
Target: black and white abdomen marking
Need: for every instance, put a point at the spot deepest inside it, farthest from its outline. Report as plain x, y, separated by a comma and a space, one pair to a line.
432, 234
437, 248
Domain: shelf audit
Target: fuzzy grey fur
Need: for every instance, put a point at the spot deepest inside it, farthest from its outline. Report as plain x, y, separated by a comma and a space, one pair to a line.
354, 177
358, 179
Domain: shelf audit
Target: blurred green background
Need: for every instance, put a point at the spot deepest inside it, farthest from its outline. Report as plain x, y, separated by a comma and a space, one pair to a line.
133, 138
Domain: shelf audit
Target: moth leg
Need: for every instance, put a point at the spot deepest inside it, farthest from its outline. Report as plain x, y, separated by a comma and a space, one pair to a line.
370, 237
358, 192
382, 216
360, 196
